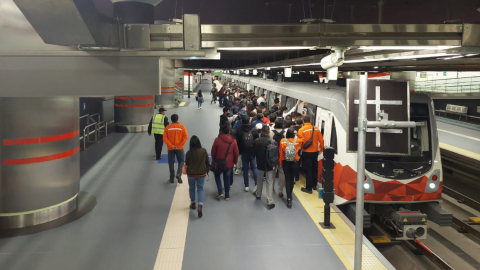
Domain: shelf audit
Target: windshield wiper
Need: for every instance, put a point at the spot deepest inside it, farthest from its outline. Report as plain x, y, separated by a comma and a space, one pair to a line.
395, 163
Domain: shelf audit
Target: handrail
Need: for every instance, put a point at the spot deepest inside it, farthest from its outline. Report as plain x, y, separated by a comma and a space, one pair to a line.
86, 115
86, 137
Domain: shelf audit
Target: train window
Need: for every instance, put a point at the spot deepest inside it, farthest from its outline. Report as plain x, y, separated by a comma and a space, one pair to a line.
310, 110
290, 102
322, 128
333, 138
271, 99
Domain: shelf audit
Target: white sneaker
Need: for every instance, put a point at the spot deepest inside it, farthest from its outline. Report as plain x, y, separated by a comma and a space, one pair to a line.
198, 108
255, 190
236, 172
247, 189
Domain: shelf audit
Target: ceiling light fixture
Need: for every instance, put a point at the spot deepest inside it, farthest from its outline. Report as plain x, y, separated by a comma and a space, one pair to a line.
399, 58
264, 48
472, 54
454, 57
407, 47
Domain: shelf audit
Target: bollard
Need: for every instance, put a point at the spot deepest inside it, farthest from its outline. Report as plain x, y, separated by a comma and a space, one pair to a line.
328, 192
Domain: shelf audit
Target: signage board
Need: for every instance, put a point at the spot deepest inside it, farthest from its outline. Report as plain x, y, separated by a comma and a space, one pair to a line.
389, 97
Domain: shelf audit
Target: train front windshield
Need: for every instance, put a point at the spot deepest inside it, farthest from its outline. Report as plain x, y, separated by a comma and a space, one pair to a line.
420, 160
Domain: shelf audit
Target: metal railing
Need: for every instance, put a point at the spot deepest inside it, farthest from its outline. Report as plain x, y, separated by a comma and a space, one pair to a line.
98, 126
178, 93
449, 86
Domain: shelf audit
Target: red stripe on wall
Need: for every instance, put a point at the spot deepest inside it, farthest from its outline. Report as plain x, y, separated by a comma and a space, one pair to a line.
173, 92
122, 98
130, 106
179, 83
375, 75
168, 87
24, 161
46, 139
150, 97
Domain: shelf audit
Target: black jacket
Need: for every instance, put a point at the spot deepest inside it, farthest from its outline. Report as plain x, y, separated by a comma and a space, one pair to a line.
150, 125
245, 128
260, 149
223, 119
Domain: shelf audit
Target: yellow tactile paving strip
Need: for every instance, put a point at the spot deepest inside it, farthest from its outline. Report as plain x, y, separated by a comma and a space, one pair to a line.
342, 238
170, 253
460, 151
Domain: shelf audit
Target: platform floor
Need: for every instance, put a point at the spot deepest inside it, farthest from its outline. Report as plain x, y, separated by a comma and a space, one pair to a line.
459, 138
141, 221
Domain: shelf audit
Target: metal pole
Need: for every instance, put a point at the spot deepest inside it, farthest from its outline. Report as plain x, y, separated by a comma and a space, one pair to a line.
189, 84
362, 131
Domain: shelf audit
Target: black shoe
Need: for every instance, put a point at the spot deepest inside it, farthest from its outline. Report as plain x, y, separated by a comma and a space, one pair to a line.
158, 158
171, 180
304, 189
200, 213
180, 181
289, 203
258, 198
270, 206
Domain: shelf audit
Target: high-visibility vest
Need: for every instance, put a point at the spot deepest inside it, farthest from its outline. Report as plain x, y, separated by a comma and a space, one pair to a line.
158, 126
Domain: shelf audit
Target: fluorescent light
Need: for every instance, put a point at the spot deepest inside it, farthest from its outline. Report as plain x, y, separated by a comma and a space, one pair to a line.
375, 67
255, 72
472, 54
448, 58
407, 47
365, 60
247, 72
304, 65
264, 48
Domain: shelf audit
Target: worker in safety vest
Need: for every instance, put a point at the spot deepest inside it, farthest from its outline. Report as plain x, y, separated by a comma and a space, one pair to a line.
157, 127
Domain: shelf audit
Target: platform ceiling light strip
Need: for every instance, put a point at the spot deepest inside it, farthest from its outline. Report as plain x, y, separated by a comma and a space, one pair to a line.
264, 48
406, 47
454, 57
399, 58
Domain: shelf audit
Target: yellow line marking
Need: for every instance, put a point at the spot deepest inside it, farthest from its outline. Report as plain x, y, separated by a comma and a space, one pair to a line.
342, 238
460, 151
37, 210
182, 104
172, 246
461, 135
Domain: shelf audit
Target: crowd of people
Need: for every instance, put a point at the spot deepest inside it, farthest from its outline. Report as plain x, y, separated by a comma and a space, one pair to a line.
264, 143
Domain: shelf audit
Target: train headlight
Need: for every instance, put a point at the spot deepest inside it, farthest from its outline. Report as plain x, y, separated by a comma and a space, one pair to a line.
368, 185
433, 182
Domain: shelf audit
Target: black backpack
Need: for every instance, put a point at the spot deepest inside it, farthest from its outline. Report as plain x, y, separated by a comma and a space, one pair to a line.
247, 139
219, 165
278, 136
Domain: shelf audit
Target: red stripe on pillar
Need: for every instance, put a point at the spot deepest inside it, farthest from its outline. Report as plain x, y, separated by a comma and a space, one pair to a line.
24, 161
168, 87
173, 92
134, 106
150, 97
46, 139
122, 97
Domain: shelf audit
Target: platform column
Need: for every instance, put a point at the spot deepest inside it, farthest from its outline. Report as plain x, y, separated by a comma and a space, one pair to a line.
133, 113
167, 84
39, 160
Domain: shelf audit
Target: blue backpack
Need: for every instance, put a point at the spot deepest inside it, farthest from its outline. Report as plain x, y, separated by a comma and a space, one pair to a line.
272, 154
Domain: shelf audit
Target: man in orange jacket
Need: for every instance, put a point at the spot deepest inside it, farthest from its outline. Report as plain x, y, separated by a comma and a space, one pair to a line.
175, 137
310, 154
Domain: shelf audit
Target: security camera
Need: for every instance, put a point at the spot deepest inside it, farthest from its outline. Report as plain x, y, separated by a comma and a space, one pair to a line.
335, 59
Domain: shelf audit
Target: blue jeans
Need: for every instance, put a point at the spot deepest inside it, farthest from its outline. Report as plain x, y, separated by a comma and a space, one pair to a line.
226, 181
249, 162
200, 182
200, 102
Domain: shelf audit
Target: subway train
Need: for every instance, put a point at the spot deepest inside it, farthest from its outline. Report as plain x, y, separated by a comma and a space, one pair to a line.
401, 192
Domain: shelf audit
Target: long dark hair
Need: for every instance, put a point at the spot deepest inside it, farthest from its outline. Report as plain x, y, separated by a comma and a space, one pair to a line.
199, 93
195, 142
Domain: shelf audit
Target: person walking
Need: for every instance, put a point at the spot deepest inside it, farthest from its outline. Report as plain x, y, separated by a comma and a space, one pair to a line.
277, 134
289, 147
225, 147
246, 135
312, 147
260, 147
197, 163
199, 99
157, 127
175, 137
214, 92
224, 116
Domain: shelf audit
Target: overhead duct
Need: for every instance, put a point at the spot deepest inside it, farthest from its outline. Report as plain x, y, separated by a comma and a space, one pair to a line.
70, 22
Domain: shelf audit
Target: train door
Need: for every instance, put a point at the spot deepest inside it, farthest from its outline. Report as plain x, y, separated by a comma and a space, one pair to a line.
324, 123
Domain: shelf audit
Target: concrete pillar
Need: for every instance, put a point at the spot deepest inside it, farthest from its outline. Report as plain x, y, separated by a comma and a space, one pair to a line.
167, 84
40, 162
133, 113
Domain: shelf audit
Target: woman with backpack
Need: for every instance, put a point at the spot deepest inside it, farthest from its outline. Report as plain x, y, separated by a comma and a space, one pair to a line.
199, 99
289, 147
197, 164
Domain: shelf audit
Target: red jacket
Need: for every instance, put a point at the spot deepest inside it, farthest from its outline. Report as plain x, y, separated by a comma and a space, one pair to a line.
219, 148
